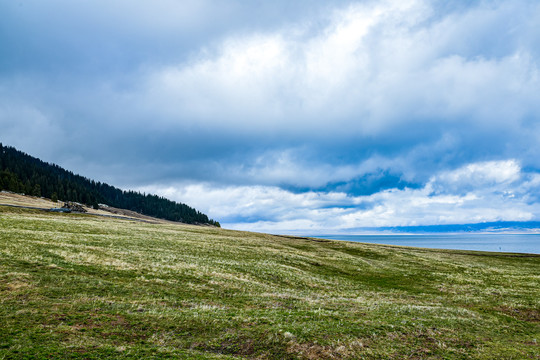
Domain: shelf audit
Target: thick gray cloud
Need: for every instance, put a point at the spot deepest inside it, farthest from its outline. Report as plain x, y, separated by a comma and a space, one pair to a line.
292, 100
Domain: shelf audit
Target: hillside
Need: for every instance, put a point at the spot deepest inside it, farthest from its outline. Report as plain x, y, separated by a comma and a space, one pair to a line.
41, 203
22, 173
86, 287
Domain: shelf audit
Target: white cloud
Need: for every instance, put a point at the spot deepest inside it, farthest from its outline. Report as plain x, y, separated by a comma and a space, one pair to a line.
374, 66
249, 201
498, 191
490, 175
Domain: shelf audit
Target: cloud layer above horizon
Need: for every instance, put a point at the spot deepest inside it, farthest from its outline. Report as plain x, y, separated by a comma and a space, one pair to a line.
282, 116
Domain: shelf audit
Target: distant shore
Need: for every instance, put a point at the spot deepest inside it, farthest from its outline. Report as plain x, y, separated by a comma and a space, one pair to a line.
525, 243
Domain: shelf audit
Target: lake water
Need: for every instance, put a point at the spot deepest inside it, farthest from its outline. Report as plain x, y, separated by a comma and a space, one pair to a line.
516, 243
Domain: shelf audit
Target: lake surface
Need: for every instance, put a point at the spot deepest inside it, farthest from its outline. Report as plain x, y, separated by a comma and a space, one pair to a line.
518, 243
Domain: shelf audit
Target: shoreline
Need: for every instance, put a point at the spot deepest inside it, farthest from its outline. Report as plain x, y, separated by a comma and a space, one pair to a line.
507, 243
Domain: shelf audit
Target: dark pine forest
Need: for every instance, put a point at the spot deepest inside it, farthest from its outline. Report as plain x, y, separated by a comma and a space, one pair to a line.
22, 173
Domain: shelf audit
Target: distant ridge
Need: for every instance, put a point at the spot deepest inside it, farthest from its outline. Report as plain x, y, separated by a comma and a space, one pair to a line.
22, 173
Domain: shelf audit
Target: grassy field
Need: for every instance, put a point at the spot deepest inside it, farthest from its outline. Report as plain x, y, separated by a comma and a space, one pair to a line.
80, 286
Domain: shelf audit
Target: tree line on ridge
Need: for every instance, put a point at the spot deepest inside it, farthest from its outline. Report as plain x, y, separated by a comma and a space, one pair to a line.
22, 173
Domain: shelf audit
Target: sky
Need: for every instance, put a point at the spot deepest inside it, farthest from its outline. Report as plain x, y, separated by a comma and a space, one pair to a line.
298, 117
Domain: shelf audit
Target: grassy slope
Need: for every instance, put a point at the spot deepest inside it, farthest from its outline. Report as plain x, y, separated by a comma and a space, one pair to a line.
77, 286
10, 198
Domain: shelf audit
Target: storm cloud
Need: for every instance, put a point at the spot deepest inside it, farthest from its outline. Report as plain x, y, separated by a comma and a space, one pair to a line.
285, 116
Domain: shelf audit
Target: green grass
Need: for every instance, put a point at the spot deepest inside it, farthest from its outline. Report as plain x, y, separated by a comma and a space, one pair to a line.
84, 287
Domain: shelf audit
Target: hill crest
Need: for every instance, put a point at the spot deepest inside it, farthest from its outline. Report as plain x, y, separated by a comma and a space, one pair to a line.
24, 174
